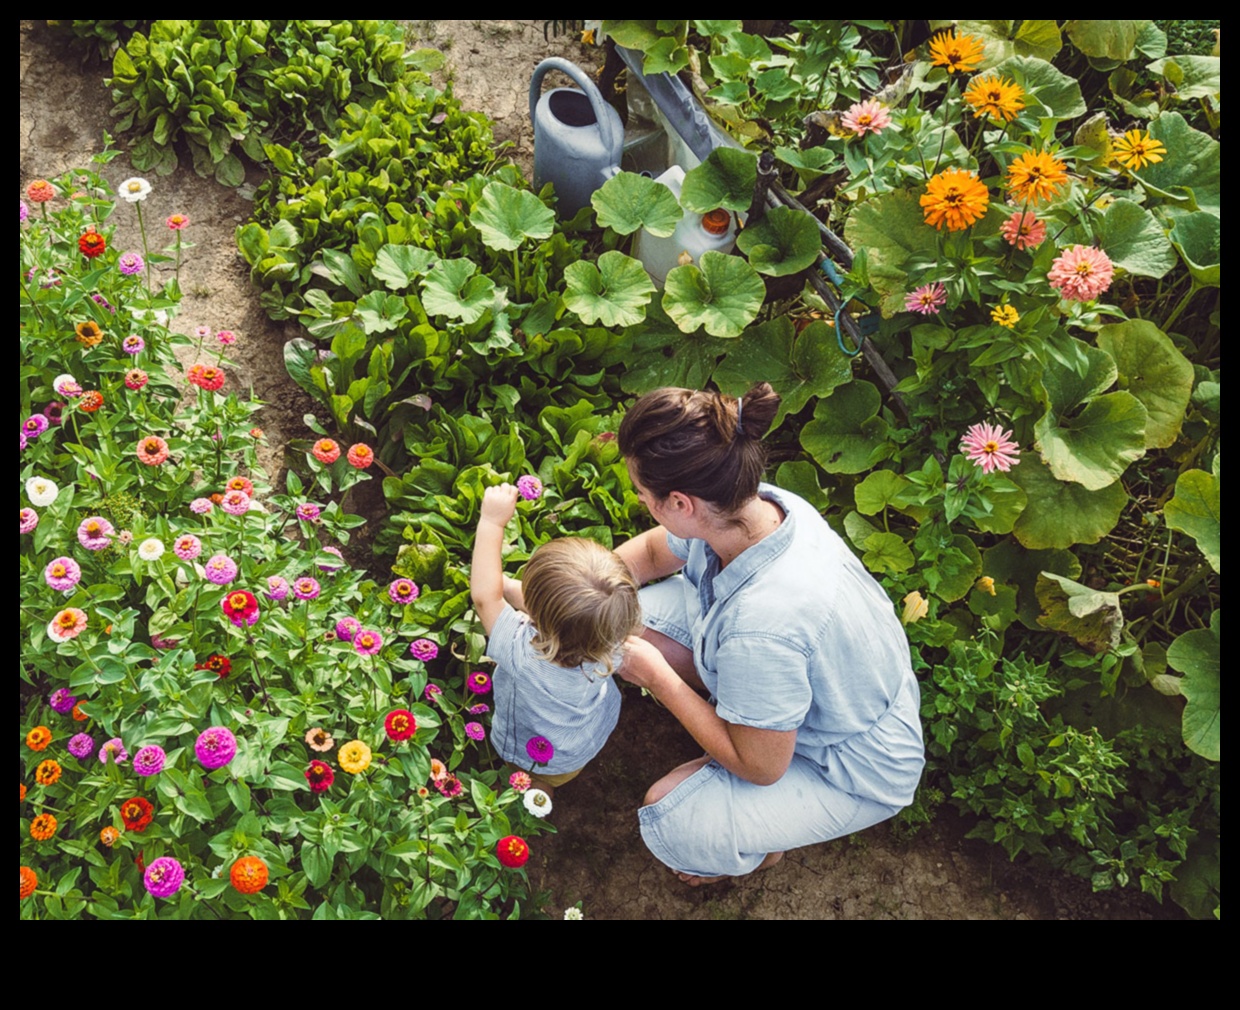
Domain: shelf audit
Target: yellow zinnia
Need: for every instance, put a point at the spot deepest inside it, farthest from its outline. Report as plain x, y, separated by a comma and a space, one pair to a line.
1005, 315
956, 198
956, 53
354, 757
994, 96
1036, 176
1135, 150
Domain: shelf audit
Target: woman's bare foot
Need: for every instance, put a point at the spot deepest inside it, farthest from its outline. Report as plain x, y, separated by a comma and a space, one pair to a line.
694, 881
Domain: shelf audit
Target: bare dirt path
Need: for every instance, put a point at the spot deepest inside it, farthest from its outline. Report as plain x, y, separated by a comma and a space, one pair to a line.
597, 857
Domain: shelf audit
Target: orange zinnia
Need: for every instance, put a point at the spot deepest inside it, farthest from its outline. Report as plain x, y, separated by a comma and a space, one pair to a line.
1036, 176
92, 244
956, 198
38, 738
43, 827
88, 333
48, 773
994, 96
29, 881
956, 52
248, 874
108, 835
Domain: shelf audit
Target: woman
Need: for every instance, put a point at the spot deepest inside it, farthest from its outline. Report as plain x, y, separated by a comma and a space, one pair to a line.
812, 731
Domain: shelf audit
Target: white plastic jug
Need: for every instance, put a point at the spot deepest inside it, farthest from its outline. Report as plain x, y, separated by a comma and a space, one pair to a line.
694, 235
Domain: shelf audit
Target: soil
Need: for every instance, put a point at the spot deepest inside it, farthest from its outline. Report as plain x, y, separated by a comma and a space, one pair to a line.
597, 857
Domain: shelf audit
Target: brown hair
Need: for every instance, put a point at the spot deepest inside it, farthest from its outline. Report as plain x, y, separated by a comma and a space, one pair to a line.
583, 601
703, 444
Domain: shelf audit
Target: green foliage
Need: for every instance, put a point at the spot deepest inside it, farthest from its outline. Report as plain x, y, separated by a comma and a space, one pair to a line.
628, 202
1196, 654
722, 296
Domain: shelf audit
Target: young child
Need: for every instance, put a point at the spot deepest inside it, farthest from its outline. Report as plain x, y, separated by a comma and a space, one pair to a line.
553, 662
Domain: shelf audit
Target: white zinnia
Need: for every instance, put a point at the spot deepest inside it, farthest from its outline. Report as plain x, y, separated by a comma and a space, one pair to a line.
41, 491
537, 802
151, 549
134, 190
573, 913
61, 381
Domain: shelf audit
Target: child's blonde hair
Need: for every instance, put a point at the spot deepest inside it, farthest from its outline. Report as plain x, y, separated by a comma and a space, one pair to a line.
583, 602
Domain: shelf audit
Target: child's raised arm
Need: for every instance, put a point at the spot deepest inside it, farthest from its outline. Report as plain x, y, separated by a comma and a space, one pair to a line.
486, 574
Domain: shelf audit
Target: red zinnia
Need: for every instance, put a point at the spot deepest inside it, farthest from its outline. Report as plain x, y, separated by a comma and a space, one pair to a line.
248, 874
240, 607
240, 484
136, 813
320, 776
512, 851
400, 724
360, 456
221, 666
206, 377
92, 244
90, 401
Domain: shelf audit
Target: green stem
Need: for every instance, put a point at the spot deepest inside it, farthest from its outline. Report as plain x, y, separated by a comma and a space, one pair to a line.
1193, 288
178, 268
516, 274
943, 136
146, 252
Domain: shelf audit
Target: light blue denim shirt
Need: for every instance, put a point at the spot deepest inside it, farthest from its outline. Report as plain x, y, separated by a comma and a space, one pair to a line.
795, 634
576, 708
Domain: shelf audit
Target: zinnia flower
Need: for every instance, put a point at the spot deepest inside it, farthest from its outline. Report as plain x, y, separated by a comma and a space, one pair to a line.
995, 96
449, 786
318, 739
529, 487
306, 588
134, 190
152, 450
990, 447
1134, 150
277, 588
151, 549
220, 569
520, 781
95, 533
164, 877
149, 760
48, 772
308, 511
1081, 273
40, 191
176, 222
81, 746
221, 666
67, 625
574, 913
367, 642
187, 547
439, 770
865, 117
347, 627
28, 883
1035, 176
67, 385
537, 803
43, 827
954, 197
331, 568
240, 607
38, 738
35, 425
1024, 230
91, 401
326, 451
248, 874
136, 814
114, 751
62, 701
360, 456
354, 757
475, 731
92, 244
108, 835
915, 608
1005, 315
206, 377
512, 851
79, 713
130, 263
400, 591
927, 299
540, 750
478, 709
215, 747
28, 519
226, 337
236, 503
201, 506
400, 724
478, 682
42, 492
133, 344
320, 776
956, 54
239, 483
432, 692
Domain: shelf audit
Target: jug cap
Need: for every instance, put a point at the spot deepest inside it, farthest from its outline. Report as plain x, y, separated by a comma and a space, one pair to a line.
716, 221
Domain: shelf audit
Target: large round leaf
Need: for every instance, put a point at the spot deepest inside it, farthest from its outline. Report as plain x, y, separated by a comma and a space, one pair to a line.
1009, 564
661, 355
1195, 510
1192, 76
784, 242
1196, 654
397, 265
451, 290
1092, 617
723, 296
1155, 372
1193, 168
1135, 241
1051, 92
505, 217
725, 179
1095, 446
892, 230
1107, 40
1007, 501
628, 201
800, 476
1076, 373
614, 293
1198, 238
887, 553
955, 570
1060, 514
846, 435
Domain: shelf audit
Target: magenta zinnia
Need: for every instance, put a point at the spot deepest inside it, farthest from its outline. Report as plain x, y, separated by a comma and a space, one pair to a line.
1081, 273
423, 649
990, 447
164, 877
529, 487
478, 682
540, 750
240, 607
149, 760
215, 747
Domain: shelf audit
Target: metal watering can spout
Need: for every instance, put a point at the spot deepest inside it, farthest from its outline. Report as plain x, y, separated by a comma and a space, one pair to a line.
578, 137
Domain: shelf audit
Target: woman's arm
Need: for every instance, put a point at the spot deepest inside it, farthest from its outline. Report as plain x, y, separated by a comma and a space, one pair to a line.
760, 756
486, 572
648, 557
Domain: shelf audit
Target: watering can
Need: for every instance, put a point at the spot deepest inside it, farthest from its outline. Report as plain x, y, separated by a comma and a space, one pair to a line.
578, 137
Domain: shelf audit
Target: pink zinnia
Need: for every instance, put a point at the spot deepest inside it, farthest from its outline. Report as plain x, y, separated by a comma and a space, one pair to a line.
520, 781
277, 588
529, 487
133, 344
306, 588
424, 649
114, 748
201, 506
187, 547
29, 519
870, 116
308, 511
927, 299
67, 625
135, 378
177, 221
474, 731
149, 760
347, 627
431, 692
221, 569
449, 785
1081, 273
236, 503
226, 337
326, 451
990, 447
360, 456
1024, 231
81, 746
367, 642
164, 877
215, 747
62, 574
402, 591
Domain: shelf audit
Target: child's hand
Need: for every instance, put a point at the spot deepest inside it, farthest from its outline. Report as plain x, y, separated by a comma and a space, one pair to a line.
499, 504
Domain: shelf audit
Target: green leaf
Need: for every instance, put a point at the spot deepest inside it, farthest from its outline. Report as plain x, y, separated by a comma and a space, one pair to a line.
1191, 76
956, 570
300, 356
1196, 654
1198, 238
1061, 514
887, 553
1191, 171
725, 179
663, 356
879, 490
785, 241
723, 296
380, 312
892, 230
1094, 447
1076, 373
229, 171
798, 366
846, 435
1009, 564
1038, 38
451, 290
1135, 240
1154, 371
1198, 884
1007, 502
1048, 91
614, 293
1091, 617
628, 201
1195, 510
505, 217
397, 265
1108, 40
800, 476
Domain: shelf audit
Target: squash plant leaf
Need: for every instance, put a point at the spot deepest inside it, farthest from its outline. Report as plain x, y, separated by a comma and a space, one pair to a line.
397, 265
1195, 510
451, 290
505, 217
784, 242
724, 295
614, 293
1095, 446
1153, 370
846, 434
725, 179
1196, 654
628, 201
1063, 513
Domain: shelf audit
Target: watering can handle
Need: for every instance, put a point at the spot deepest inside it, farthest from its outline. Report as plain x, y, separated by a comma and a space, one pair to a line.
582, 80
